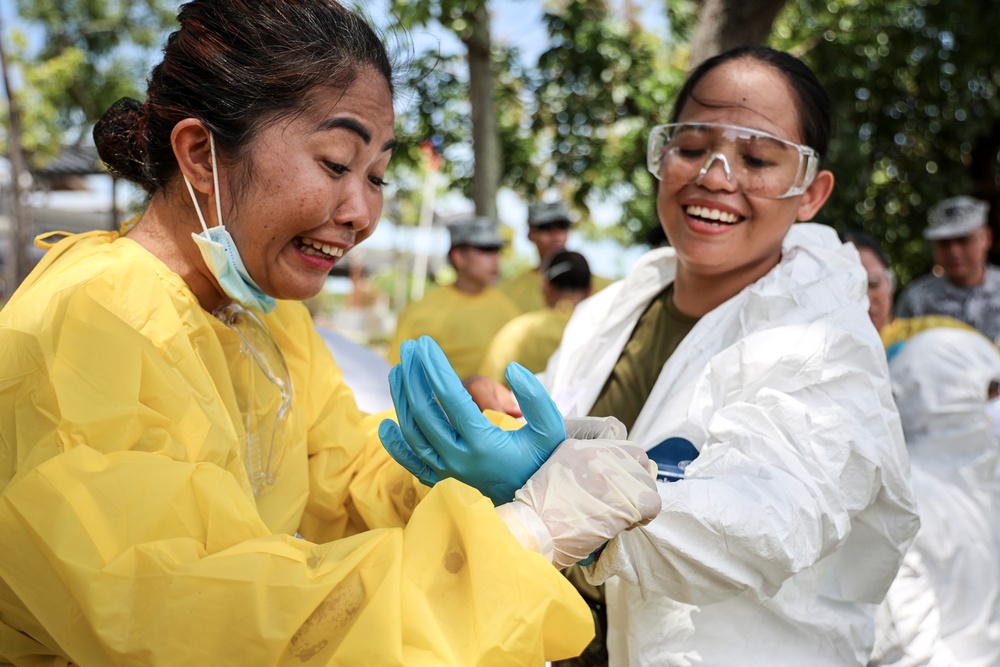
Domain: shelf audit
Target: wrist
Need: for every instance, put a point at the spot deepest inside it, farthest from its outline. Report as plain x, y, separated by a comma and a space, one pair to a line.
527, 528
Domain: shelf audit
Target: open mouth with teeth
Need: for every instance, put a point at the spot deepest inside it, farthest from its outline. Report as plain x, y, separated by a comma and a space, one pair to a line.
316, 248
712, 216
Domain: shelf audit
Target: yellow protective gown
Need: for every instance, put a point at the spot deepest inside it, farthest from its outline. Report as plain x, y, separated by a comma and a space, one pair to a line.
525, 289
130, 534
529, 339
904, 328
463, 324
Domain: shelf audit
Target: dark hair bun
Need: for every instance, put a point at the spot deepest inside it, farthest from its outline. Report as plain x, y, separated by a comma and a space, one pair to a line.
120, 137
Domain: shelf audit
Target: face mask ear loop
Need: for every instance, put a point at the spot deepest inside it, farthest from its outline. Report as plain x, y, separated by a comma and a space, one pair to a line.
194, 200
215, 179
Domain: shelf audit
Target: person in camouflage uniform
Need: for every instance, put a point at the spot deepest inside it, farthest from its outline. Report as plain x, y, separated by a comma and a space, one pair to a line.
969, 287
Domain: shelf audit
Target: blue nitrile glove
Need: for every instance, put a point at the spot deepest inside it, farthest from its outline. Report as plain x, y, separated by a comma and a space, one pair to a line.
589, 560
442, 433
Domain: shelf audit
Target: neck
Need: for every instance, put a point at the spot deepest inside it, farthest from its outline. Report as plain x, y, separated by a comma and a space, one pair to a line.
165, 229
466, 284
974, 281
697, 294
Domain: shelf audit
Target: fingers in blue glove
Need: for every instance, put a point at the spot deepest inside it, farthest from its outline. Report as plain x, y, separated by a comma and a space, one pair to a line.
540, 411
410, 427
462, 412
394, 443
428, 405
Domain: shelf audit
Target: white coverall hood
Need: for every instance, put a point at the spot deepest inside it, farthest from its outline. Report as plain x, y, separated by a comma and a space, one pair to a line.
792, 522
940, 380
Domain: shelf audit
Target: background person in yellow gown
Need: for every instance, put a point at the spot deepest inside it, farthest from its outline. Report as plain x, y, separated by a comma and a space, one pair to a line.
463, 317
531, 338
184, 477
548, 230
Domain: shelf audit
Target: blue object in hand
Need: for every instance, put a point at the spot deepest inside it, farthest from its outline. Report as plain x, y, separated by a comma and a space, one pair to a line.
442, 433
672, 456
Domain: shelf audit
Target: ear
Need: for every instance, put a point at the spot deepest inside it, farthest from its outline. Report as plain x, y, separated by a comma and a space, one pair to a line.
190, 141
815, 195
548, 291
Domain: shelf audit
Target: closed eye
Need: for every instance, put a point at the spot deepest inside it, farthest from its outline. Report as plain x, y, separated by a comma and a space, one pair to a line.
336, 168
377, 182
756, 162
689, 153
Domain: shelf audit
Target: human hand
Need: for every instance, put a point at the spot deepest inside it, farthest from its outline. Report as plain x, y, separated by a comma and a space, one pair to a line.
489, 394
595, 428
587, 493
441, 433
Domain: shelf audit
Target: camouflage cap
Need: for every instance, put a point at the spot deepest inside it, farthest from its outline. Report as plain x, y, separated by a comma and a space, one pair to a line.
955, 217
545, 214
479, 232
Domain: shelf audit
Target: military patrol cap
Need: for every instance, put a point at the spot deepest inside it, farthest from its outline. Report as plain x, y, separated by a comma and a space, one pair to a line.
549, 214
956, 217
478, 231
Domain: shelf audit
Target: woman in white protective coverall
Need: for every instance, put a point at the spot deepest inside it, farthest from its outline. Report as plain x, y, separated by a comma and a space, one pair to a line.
748, 343
940, 380
184, 477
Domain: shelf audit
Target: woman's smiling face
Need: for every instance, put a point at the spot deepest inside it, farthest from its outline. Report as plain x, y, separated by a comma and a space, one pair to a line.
315, 187
718, 231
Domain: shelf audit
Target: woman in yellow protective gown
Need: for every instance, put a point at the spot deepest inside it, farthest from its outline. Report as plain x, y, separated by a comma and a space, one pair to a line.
184, 477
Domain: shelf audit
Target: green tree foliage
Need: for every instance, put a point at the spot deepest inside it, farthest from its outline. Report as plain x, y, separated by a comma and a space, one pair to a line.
576, 121
434, 97
92, 53
601, 85
438, 108
917, 111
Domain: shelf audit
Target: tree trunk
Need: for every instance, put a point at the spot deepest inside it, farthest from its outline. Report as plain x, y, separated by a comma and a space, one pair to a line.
725, 24
20, 236
485, 136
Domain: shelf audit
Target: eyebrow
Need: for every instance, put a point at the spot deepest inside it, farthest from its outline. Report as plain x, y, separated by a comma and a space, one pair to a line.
344, 123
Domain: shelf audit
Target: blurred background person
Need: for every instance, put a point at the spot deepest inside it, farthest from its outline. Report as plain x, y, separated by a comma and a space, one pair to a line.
969, 289
881, 284
548, 229
463, 317
531, 338
941, 380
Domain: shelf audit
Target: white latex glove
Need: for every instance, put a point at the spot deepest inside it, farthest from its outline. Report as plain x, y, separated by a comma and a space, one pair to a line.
586, 493
595, 428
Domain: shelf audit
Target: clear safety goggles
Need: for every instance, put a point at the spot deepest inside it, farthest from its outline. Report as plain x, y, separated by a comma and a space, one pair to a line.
762, 164
265, 410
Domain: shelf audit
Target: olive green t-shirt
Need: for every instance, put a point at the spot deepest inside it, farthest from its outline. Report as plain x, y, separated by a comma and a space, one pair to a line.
657, 334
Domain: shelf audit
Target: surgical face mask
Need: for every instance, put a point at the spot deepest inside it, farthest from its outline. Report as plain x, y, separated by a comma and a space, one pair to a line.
267, 401
221, 255
993, 413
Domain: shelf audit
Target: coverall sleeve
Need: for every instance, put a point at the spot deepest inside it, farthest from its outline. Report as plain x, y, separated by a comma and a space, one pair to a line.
908, 622
799, 438
130, 538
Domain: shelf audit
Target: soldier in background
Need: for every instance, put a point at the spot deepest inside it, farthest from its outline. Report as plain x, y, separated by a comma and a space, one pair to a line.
969, 289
